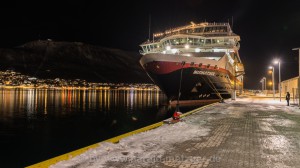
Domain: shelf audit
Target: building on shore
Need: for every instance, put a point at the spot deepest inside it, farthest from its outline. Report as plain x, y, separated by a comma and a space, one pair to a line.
290, 85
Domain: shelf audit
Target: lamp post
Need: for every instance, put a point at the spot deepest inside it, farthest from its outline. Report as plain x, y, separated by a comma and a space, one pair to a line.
298, 76
273, 83
262, 84
265, 79
278, 62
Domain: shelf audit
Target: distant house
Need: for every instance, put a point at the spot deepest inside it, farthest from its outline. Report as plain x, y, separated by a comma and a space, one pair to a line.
290, 85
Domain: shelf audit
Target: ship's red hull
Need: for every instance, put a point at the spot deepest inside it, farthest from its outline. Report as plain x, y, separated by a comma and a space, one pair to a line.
199, 81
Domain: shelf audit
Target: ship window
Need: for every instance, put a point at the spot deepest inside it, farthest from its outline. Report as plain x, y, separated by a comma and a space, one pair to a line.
182, 31
177, 41
208, 29
208, 41
198, 30
223, 29
182, 41
194, 41
165, 43
220, 40
189, 30
174, 41
168, 42
144, 48
213, 29
197, 42
151, 47
162, 45
148, 47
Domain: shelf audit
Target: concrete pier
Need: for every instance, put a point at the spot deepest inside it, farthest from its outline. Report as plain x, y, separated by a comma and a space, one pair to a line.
248, 132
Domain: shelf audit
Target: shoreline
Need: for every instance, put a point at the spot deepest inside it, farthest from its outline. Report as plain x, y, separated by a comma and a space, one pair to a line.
77, 88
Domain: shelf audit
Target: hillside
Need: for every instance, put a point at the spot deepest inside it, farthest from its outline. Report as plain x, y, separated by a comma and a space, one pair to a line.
73, 60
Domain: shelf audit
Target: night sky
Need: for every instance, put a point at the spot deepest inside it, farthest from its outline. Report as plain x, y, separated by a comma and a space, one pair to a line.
268, 29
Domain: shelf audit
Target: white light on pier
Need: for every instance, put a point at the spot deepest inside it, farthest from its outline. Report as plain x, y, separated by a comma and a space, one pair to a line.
187, 46
197, 50
168, 48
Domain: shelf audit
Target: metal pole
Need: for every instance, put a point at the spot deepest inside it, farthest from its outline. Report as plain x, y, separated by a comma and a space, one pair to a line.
279, 82
265, 83
273, 82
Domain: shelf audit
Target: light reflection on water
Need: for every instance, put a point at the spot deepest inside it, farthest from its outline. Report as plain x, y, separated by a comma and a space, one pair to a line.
37, 124
33, 101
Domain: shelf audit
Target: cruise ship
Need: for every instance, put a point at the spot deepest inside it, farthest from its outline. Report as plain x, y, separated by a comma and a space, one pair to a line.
195, 62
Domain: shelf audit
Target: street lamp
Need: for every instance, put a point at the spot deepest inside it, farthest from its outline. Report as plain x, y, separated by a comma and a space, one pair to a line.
278, 62
273, 83
265, 79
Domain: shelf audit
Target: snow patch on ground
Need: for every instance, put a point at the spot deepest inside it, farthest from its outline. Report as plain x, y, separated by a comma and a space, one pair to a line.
265, 126
280, 122
280, 147
141, 147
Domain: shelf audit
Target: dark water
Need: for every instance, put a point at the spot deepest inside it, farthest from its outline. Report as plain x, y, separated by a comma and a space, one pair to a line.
37, 124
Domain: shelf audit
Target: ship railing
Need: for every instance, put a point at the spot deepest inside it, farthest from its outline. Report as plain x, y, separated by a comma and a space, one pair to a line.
214, 23
191, 47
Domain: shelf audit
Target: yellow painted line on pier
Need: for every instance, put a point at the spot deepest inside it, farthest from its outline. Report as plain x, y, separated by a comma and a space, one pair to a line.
147, 128
66, 156
197, 109
72, 154
116, 139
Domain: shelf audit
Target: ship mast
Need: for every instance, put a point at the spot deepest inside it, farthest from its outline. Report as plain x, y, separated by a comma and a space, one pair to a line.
149, 27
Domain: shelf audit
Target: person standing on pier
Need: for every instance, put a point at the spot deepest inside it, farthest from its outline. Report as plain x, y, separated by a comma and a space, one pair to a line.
287, 98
